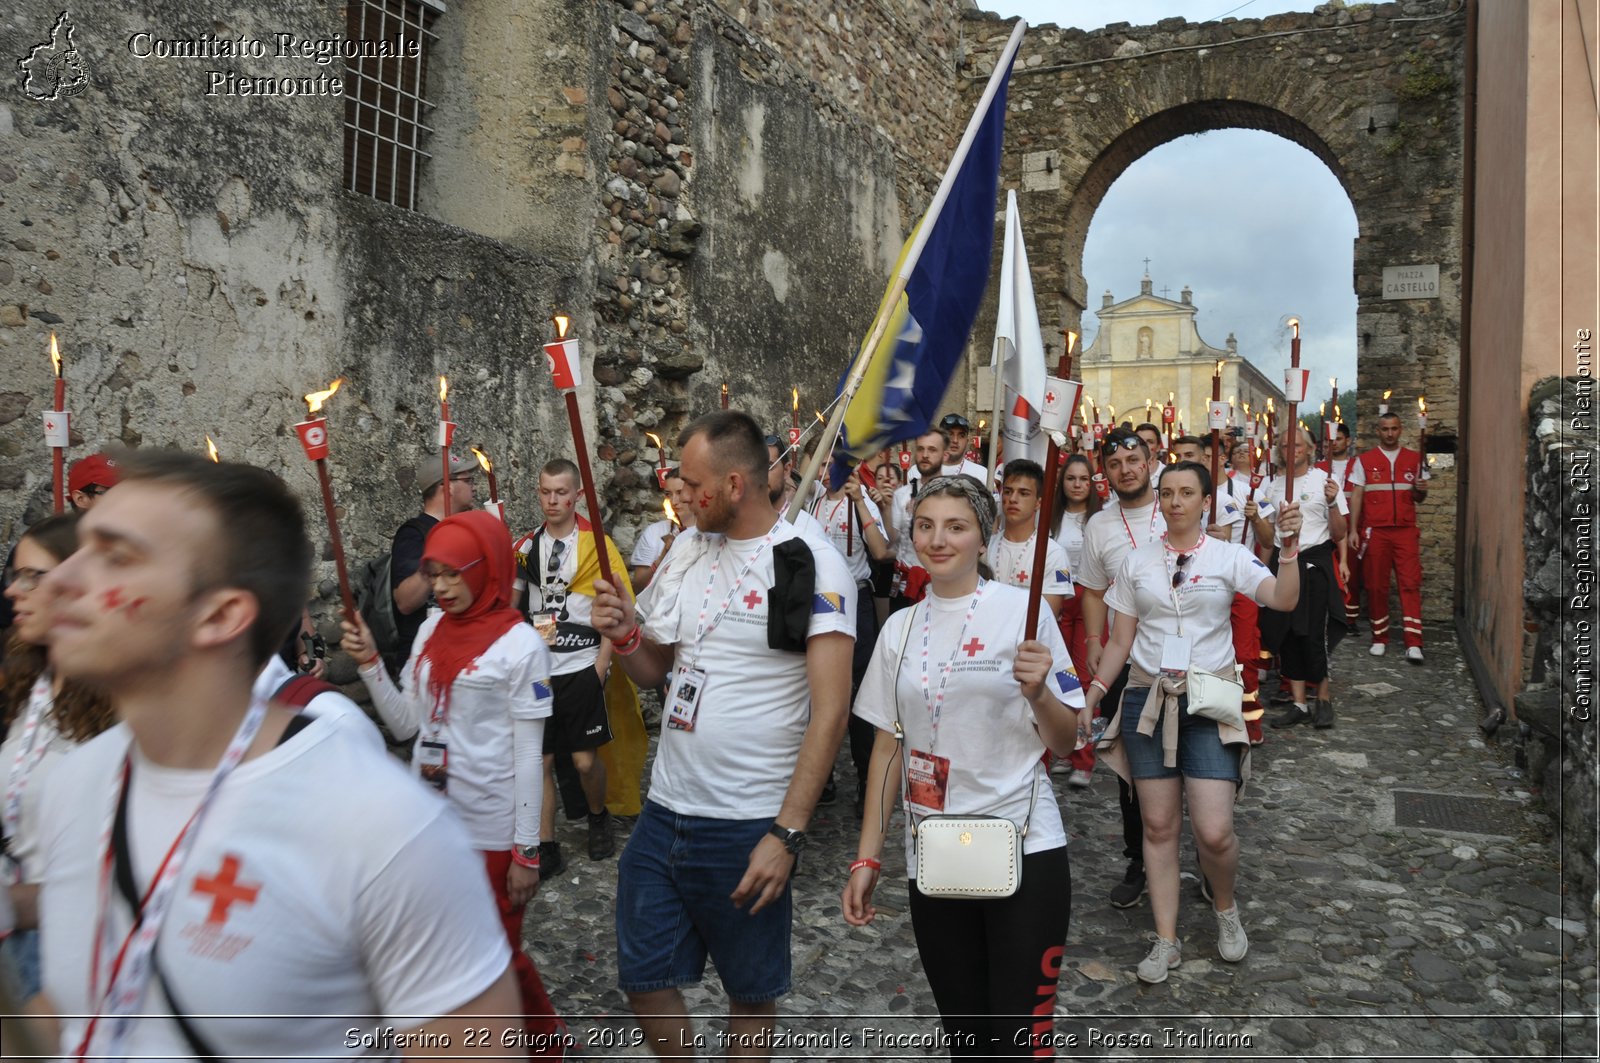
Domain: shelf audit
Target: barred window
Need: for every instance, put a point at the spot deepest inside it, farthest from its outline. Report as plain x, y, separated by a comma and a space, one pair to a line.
386, 109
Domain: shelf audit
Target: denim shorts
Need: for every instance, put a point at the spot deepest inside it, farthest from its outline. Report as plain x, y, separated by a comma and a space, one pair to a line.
673, 908
1201, 754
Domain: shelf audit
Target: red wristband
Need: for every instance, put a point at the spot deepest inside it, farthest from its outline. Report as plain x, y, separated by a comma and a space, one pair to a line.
631, 643
370, 661
523, 861
866, 861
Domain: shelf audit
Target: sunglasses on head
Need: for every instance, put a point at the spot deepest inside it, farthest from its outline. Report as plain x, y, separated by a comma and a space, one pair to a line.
955, 421
774, 441
1111, 446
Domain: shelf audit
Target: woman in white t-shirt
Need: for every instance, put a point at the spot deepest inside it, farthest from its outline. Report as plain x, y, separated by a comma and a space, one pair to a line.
1076, 502
46, 717
477, 695
1172, 599
978, 701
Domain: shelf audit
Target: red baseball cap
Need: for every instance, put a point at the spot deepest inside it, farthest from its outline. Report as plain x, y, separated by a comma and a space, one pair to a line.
97, 470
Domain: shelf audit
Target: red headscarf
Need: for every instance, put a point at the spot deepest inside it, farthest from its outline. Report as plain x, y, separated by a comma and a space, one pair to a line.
477, 545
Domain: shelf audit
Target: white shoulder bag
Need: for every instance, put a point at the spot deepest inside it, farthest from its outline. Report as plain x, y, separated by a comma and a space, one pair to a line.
1216, 697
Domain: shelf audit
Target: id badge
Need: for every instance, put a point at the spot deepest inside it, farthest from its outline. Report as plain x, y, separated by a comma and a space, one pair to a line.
433, 758
683, 700
927, 776
1175, 654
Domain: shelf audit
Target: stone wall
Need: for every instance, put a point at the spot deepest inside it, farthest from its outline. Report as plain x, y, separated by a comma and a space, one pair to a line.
1557, 738
1372, 90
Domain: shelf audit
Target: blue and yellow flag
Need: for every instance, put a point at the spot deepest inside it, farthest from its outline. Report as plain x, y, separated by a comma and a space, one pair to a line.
928, 324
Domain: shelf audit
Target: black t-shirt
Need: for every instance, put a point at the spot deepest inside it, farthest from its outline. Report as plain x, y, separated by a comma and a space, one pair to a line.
405, 558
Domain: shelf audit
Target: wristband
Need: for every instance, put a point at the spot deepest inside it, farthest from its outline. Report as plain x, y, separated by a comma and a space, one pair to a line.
1288, 557
866, 861
370, 661
525, 861
1101, 683
628, 645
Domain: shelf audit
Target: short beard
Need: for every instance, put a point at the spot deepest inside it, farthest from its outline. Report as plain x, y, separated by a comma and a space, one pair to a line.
1128, 496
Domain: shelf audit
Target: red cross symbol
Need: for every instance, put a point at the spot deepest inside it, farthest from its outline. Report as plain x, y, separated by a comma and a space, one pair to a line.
1050, 398
472, 666
50, 426
1022, 577
971, 648
225, 889
751, 600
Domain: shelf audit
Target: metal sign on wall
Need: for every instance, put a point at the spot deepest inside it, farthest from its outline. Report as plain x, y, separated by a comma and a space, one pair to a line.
1411, 282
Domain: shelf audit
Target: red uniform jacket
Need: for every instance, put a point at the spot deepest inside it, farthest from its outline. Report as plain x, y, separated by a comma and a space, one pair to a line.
1388, 501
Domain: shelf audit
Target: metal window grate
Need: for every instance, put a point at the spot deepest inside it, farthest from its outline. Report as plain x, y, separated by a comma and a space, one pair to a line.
1459, 814
385, 111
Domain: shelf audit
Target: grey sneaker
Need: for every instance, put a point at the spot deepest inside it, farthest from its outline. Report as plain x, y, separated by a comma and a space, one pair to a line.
1231, 941
1163, 958
1322, 715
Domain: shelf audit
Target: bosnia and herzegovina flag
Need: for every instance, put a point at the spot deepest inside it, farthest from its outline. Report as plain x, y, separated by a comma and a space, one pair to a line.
929, 322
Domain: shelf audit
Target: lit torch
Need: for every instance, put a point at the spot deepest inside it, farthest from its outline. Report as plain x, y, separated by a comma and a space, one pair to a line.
313, 434
671, 513
794, 418
567, 373
1422, 429
1294, 390
661, 460
56, 433
211, 450
447, 431
1383, 407
494, 484
724, 394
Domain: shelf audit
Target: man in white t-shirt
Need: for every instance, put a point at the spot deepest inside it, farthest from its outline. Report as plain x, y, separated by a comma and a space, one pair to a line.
780, 458
957, 431
656, 539
1011, 554
559, 603
311, 885
1131, 521
748, 736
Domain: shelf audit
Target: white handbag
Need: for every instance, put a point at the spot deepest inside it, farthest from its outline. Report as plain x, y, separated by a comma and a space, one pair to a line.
1215, 697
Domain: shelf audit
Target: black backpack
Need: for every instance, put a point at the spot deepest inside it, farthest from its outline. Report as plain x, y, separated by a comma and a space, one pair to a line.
375, 599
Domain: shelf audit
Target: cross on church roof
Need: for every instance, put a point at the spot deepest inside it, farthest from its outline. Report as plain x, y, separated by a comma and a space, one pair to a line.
1147, 265
1164, 292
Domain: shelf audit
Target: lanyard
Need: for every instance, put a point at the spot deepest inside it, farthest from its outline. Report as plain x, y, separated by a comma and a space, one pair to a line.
1000, 546
934, 702
1171, 568
849, 524
37, 733
1155, 509
703, 626
129, 970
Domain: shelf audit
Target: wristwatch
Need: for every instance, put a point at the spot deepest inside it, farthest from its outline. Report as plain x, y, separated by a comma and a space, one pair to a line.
793, 840
527, 855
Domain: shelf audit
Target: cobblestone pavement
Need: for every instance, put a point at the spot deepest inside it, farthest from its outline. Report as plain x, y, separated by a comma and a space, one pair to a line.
1370, 938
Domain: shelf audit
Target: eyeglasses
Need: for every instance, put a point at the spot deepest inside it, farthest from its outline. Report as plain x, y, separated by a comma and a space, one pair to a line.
25, 579
954, 420
449, 575
1111, 446
462, 478
1177, 577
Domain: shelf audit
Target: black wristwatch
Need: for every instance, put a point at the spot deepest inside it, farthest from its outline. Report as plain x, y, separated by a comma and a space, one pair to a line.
793, 840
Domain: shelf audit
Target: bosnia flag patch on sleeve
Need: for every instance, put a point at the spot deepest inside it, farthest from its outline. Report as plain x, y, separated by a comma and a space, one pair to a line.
542, 690
827, 602
1067, 680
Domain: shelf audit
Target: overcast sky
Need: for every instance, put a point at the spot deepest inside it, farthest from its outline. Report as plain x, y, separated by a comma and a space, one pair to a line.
1255, 224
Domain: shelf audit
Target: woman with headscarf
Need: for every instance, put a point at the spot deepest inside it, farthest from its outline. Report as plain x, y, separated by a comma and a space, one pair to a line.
476, 699
965, 703
46, 717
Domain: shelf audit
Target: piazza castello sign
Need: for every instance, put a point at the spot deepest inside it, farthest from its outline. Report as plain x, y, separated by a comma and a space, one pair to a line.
1411, 282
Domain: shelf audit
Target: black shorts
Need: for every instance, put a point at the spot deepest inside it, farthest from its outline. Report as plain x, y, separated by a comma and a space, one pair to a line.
882, 577
579, 720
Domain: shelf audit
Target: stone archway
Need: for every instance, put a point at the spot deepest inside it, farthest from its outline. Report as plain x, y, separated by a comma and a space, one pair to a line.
1371, 94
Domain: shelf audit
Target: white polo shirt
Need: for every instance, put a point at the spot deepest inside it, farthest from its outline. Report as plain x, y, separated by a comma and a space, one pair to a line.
1314, 509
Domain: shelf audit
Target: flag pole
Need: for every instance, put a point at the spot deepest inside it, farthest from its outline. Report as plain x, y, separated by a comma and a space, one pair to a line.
995, 413
919, 239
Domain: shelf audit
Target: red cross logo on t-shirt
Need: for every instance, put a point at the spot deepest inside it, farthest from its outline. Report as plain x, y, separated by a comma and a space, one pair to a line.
1021, 577
971, 648
751, 600
225, 889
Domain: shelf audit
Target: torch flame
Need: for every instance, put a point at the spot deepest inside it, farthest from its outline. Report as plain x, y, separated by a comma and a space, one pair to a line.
55, 355
1322, 409
1386, 396
1112, 410
444, 388
1294, 323
1220, 364
563, 322
1171, 398
821, 418
672, 514
1422, 404
483, 459
1333, 381
654, 439
317, 398
211, 449
982, 424
1072, 341
795, 405
1270, 407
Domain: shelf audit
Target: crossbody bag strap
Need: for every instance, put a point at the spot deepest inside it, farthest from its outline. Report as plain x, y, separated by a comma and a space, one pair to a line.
899, 728
122, 873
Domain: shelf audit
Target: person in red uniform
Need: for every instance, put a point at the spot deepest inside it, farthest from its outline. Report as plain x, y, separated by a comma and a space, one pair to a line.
1341, 464
1390, 480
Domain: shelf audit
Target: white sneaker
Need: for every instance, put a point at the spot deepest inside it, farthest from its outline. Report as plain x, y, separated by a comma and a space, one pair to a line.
1231, 941
1414, 654
1378, 648
1079, 779
1163, 957
1060, 766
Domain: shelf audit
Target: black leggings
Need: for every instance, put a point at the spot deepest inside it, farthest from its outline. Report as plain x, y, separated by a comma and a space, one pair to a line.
994, 964
1305, 657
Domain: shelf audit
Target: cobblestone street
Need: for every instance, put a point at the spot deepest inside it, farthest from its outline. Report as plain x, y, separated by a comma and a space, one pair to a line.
1370, 937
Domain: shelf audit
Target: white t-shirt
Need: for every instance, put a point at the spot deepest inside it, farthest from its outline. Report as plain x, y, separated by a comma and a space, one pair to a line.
323, 884
1012, 564
577, 643
967, 467
847, 531
23, 846
511, 680
1211, 577
1232, 496
1347, 470
808, 525
1070, 538
905, 551
1314, 513
651, 544
987, 729
755, 703
1110, 534
329, 705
